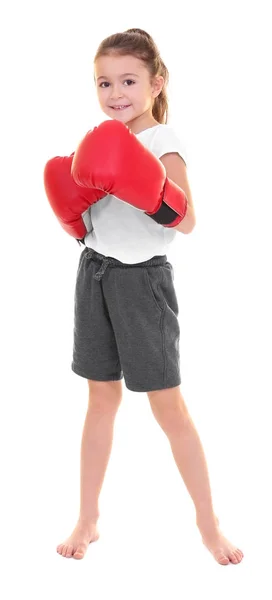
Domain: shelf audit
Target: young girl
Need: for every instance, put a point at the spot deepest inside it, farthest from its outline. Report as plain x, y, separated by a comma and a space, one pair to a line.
126, 309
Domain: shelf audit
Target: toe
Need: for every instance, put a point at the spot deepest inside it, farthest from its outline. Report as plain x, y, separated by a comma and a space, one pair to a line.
79, 553
222, 558
233, 557
69, 551
59, 548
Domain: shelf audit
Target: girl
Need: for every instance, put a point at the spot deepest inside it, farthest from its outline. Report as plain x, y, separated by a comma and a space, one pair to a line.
126, 310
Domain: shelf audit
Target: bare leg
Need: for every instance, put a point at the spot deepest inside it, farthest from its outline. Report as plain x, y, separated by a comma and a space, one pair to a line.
97, 438
171, 413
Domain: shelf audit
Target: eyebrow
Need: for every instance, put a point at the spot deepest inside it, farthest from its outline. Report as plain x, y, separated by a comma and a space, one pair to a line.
123, 75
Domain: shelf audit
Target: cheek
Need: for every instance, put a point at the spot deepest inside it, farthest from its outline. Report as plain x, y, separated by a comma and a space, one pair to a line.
101, 94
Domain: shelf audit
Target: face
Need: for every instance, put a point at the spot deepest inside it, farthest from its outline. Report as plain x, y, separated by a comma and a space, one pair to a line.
124, 82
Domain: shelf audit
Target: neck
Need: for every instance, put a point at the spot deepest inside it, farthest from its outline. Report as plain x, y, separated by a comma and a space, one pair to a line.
144, 121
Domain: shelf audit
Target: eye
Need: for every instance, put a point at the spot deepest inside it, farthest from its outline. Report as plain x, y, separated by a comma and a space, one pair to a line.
130, 80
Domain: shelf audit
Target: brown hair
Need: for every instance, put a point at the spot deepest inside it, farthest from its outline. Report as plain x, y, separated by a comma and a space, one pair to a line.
139, 43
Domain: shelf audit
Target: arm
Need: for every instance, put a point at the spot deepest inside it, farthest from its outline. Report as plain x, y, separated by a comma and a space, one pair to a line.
177, 171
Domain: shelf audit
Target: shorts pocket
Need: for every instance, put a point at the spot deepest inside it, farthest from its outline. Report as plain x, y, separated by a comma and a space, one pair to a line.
168, 266
153, 277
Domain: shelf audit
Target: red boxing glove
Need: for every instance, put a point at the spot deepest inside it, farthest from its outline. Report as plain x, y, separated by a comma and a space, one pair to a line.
111, 158
69, 201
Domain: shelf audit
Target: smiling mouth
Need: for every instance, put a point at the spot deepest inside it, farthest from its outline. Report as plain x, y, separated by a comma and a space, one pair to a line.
121, 107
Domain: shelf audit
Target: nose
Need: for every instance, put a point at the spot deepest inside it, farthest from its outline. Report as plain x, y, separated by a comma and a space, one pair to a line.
116, 92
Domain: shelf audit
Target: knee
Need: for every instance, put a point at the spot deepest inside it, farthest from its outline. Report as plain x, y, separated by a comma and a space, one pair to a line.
169, 409
105, 395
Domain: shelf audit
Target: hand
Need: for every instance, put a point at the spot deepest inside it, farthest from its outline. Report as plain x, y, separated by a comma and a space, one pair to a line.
111, 158
69, 201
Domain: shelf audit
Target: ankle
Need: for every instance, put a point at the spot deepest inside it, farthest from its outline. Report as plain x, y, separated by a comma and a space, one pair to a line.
89, 520
206, 516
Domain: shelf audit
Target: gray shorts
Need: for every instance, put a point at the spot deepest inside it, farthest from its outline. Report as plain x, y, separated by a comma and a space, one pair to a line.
126, 322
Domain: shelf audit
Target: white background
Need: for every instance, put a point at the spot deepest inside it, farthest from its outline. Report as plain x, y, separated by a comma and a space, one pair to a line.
218, 55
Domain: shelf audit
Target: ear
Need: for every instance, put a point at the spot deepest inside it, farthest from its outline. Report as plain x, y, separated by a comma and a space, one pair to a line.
157, 85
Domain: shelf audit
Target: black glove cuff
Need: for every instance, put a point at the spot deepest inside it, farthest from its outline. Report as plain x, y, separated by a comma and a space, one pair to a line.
165, 215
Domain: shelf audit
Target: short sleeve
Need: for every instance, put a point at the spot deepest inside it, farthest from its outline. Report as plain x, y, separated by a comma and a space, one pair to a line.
166, 140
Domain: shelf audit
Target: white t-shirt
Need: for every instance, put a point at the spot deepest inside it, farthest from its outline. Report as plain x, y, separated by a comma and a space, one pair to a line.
120, 230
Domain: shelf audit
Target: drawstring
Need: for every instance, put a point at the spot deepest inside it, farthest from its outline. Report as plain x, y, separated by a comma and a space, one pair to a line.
105, 262
100, 273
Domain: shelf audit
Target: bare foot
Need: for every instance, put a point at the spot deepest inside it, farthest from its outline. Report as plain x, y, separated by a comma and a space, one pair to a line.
222, 550
76, 545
